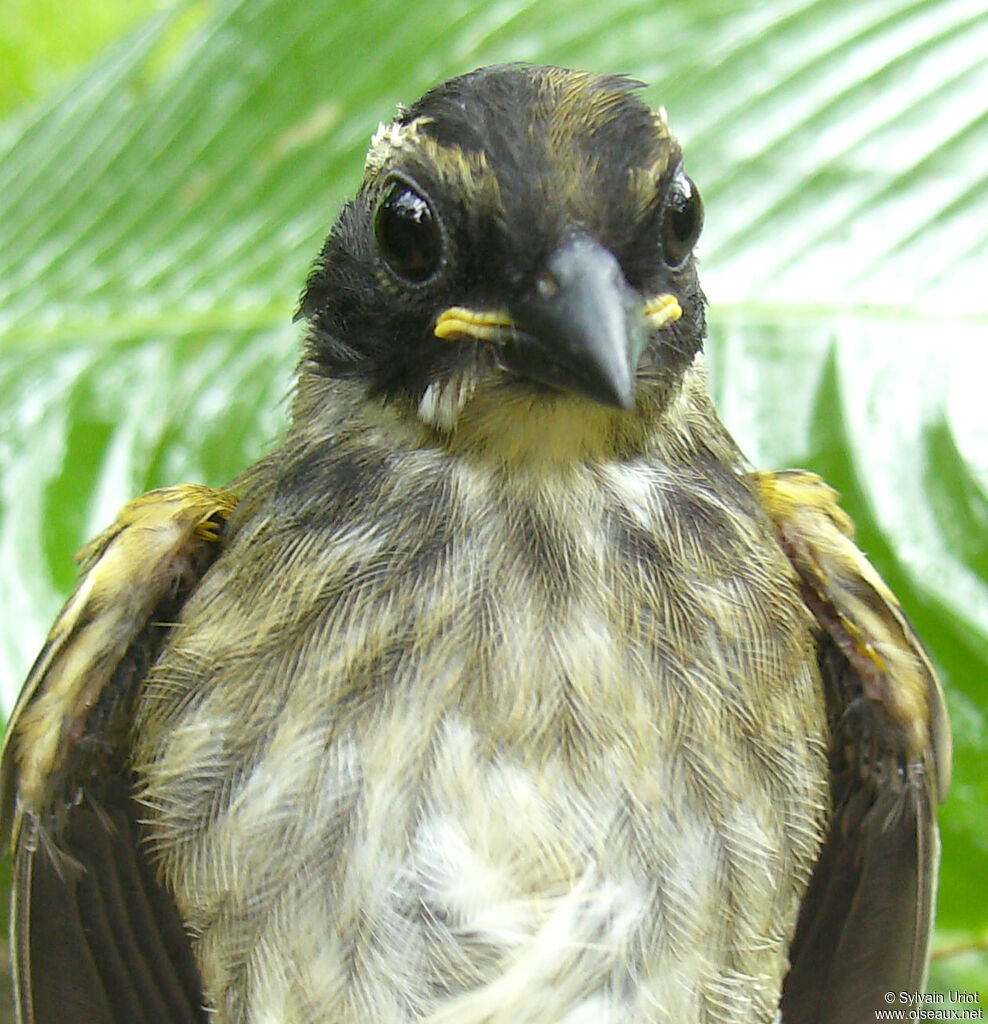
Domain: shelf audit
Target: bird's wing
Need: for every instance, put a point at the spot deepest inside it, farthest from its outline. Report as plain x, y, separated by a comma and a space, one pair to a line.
95, 938
864, 925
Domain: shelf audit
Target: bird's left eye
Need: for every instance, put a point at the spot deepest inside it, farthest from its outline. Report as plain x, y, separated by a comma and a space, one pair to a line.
408, 234
682, 219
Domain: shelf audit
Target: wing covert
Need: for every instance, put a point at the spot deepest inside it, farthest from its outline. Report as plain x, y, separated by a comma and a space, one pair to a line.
95, 938
865, 922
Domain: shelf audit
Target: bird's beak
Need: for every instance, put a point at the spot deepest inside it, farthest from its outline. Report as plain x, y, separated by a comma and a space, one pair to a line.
584, 329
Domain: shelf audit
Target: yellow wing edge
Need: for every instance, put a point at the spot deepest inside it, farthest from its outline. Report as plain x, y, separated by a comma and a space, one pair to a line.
156, 541
856, 607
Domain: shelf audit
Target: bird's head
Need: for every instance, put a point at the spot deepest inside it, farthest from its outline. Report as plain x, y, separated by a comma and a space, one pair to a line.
522, 240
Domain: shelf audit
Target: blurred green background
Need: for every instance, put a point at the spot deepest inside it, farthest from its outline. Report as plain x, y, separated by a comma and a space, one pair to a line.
169, 169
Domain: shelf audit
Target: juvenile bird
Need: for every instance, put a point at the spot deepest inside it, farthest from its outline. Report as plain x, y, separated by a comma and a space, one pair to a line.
500, 691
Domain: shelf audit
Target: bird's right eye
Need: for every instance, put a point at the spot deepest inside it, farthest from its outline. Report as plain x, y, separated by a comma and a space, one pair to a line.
682, 220
408, 234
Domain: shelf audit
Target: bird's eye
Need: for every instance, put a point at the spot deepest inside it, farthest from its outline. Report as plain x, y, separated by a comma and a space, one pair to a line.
408, 234
682, 219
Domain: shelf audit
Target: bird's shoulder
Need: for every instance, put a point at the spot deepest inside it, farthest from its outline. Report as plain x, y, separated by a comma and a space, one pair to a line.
151, 556
861, 617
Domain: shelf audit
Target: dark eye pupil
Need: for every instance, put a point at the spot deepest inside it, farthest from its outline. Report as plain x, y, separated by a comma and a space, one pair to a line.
407, 234
681, 222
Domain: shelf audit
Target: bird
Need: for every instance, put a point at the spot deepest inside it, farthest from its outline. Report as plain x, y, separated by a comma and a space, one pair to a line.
503, 689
